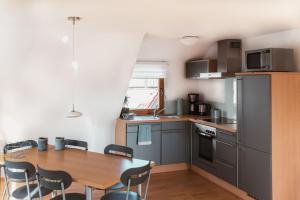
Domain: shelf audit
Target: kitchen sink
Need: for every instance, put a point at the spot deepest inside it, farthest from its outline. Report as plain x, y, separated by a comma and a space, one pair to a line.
150, 117
147, 117
168, 117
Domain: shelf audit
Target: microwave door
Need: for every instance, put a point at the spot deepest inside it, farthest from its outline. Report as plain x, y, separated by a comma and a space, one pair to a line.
254, 60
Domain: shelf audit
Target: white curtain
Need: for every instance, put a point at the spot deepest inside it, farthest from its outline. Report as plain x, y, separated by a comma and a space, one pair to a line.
146, 69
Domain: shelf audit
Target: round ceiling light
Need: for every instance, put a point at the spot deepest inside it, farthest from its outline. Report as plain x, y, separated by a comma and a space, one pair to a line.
189, 40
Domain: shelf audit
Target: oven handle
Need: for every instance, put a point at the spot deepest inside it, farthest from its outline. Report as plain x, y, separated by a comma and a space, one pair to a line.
205, 135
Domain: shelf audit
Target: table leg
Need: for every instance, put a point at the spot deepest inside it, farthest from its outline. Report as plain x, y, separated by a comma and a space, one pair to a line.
89, 193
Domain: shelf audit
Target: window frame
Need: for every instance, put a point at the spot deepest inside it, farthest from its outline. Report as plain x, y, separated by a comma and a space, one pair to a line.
161, 94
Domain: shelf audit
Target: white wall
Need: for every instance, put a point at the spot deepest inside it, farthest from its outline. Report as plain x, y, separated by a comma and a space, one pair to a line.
37, 85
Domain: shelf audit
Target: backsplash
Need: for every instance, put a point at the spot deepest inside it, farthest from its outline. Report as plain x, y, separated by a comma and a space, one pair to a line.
228, 106
220, 93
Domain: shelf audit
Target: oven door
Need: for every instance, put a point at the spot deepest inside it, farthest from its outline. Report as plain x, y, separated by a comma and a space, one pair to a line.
207, 146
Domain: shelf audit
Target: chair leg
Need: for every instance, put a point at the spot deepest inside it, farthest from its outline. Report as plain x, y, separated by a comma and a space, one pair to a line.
6, 190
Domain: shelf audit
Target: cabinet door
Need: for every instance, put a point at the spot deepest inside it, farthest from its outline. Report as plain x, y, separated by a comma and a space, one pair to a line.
173, 146
254, 112
254, 174
146, 152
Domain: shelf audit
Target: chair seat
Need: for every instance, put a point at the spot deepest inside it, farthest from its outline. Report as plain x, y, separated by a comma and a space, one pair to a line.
21, 192
117, 186
71, 196
121, 196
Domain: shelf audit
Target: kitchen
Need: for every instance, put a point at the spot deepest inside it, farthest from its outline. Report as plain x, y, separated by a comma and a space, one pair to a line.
198, 94
237, 153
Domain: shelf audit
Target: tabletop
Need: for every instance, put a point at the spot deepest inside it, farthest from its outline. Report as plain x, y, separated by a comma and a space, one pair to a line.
91, 169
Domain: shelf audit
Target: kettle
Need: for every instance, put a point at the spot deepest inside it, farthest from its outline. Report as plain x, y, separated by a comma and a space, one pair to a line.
216, 113
204, 109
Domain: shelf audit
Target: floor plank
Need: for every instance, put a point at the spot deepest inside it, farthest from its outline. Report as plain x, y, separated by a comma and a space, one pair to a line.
181, 185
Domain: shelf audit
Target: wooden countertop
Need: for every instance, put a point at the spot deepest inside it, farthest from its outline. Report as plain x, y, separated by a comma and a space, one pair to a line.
92, 169
193, 118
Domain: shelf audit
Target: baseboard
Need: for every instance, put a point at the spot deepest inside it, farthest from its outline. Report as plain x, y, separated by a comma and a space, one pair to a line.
223, 184
170, 168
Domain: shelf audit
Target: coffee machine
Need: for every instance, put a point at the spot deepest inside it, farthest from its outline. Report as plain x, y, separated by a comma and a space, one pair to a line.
193, 103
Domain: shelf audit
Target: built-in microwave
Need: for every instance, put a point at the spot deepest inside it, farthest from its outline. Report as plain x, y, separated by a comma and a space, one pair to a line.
271, 59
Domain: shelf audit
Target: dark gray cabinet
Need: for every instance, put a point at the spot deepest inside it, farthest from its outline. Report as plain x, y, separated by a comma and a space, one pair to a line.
226, 157
173, 148
255, 173
147, 152
254, 135
254, 112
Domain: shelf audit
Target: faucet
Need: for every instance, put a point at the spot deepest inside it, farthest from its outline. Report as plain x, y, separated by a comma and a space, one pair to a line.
155, 113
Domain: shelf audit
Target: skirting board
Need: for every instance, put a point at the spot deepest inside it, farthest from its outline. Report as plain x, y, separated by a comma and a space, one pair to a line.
223, 184
170, 168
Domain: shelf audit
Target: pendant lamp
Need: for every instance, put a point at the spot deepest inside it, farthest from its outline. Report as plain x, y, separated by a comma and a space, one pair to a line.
73, 113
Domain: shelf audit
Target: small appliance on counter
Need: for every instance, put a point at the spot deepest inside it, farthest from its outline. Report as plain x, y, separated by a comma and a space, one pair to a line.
193, 103
204, 109
216, 113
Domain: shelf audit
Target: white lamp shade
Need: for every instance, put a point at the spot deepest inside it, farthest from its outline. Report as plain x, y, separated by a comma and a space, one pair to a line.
73, 113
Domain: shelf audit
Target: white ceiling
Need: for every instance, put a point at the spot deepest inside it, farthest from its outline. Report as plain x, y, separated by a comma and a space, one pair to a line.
210, 19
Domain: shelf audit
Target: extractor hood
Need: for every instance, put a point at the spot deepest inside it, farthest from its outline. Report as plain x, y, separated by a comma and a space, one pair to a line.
229, 62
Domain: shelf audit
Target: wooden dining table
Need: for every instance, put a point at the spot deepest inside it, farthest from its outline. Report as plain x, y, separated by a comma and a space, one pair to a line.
91, 169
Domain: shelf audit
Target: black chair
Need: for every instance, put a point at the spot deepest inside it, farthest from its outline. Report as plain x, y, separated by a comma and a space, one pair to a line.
19, 145
22, 172
118, 150
76, 144
131, 177
57, 181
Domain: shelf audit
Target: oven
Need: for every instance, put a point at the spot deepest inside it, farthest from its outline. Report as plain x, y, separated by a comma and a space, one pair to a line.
206, 137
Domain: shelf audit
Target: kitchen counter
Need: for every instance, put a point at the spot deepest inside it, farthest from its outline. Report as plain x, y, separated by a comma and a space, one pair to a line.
120, 130
193, 118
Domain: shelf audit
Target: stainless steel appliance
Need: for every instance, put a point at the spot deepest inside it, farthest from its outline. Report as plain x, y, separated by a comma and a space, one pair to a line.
216, 113
271, 59
207, 143
193, 103
204, 109
229, 62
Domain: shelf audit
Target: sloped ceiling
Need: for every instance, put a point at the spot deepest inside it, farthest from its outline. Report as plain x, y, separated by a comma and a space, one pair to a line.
37, 83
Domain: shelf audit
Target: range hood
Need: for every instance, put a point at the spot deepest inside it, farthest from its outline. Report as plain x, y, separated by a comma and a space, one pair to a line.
216, 75
229, 62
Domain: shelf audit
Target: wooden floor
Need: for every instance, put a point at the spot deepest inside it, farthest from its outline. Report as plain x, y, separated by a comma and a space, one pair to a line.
182, 185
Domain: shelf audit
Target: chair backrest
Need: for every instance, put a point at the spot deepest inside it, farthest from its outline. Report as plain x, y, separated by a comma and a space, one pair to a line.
54, 180
136, 176
17, 171
119, 150
19, 145
76, 143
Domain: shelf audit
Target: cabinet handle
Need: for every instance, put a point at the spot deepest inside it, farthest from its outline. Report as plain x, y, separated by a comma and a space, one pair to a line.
225, 143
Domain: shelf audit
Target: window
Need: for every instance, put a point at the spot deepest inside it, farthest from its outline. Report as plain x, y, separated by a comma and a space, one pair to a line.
145, 95
146, 88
